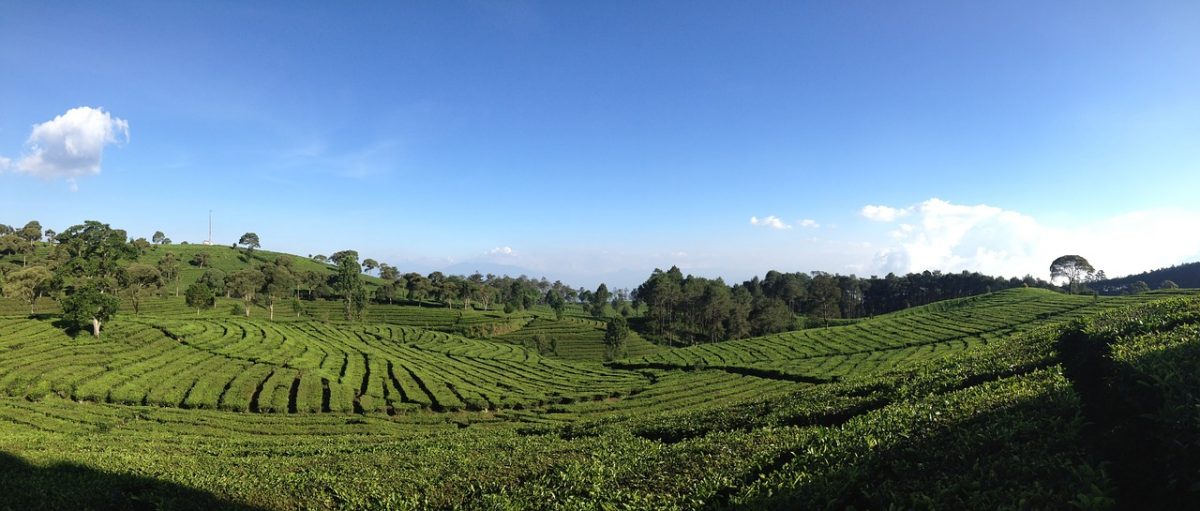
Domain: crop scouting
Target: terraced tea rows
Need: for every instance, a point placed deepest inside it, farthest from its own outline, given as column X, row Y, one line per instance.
column 887, row 341
column 574, row 338
column 248, row 365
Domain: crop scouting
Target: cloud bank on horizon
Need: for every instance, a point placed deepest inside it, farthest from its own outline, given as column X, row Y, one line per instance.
column 940, row 235
column 71, row 145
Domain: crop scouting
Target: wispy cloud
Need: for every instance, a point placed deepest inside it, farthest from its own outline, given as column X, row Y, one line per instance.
column 809, row 223
column 71, row 145
column 771, row 221
column 506, row 250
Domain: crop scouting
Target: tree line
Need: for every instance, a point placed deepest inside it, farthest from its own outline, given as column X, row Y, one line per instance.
column 689, row 309
column 90, row 265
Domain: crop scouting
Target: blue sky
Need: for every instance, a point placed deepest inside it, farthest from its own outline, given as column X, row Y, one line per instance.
column 596, row 141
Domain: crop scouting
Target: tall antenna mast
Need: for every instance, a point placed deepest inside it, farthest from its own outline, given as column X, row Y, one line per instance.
column 210, row 227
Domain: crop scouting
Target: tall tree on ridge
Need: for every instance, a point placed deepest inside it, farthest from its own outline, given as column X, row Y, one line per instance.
column 250, row 241
column 1074, row 268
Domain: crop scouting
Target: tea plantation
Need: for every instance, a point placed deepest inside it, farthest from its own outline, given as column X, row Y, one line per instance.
column 1023, row 398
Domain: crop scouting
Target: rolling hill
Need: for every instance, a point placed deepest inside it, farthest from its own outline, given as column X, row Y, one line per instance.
column 403, row 411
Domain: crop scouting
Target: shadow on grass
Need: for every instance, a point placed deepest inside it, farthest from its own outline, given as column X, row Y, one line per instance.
column 1025, row 454
column 74, row 487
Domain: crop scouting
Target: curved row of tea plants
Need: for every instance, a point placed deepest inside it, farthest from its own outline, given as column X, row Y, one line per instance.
column 257, row 365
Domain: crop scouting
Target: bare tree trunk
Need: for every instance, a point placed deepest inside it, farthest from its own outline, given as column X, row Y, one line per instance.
column 246, row 306
column 272, row 308
column 96, row 327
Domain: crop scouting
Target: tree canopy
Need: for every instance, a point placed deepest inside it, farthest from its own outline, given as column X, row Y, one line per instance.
column 250, row 241
column 1075, row 269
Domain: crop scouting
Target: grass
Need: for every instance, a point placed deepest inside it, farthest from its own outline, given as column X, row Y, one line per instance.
column 986, row 402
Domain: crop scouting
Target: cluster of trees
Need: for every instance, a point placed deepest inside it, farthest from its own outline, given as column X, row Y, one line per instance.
column 480, row 291
column 90, row 265
column 1183, row 275
column 270, row 283
column 689, row 309
column 85, row 270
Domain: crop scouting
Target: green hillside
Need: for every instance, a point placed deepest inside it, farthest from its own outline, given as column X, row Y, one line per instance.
column 431, row 407
column 573, row 338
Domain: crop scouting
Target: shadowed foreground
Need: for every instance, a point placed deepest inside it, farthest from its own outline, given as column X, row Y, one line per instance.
column 66, row 486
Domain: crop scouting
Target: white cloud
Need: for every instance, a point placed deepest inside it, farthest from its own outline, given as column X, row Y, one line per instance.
column 954, row 237
column 71, row 145
column 809, row 223
column 502, row 251
column 883, row 213
column 4, row 163
column 770, row 221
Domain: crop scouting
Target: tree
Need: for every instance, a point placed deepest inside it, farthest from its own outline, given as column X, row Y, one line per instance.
column 1168, row 284
column 614, row 337
column 200, row 259
column 1139, row 287
column 158, row 237
column 599, row 300
column 369, row 264
column 349, row 285
column 168, row 266
column 277, row 282
column 385, row 293
column 1074, row 268
column 416, row 285
column 214, row 279
column 245, row 283
column 89, row 304
column 29, row 284
column 31, row 233
column 92, row 251
column 388, row 272
column 250, row 241
column 825, row 295
column 141, row 245
column 556, row 302
column 89, row 259
column 199, row 296
column 139, row 279
column 320, row 259
column 50, row 234
column 769, row 316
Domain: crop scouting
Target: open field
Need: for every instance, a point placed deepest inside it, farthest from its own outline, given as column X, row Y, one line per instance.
column 914, row 408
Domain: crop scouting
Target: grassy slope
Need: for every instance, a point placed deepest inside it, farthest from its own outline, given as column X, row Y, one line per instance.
column 918, row 432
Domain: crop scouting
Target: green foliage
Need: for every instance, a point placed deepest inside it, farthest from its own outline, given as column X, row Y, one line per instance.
column 1074, row 268
column 250, row 241
column 89, row 306
column 29, row 284
column 277, row 282
column 200, row 259
column 614, row 338
column 140, row 280
column 200, row 297
column 168, row 267
column 245, row 284
column 975, row 403
column 348, row 284
column 92, row 251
